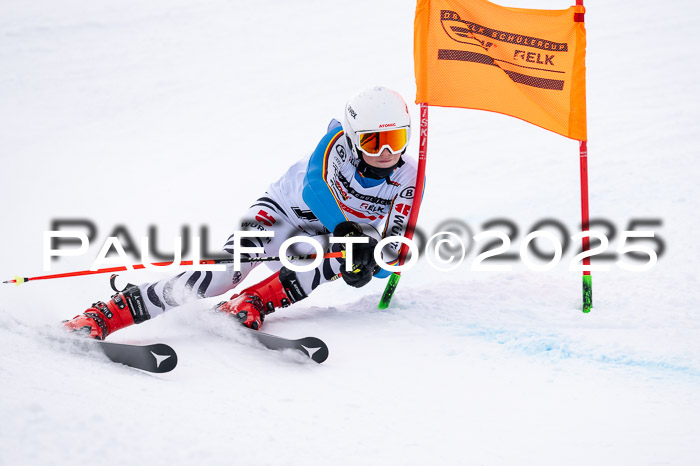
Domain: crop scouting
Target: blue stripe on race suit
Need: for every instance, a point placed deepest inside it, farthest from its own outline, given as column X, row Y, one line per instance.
column 316, row 192
column 334, row 124
column 319, row 196
column 383, row 273
column 368, row 182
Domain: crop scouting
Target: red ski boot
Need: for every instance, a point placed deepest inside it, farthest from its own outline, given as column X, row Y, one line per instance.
column 251, row 305
column 124, row 309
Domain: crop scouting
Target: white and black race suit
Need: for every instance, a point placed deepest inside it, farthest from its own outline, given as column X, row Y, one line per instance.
column 317, row 193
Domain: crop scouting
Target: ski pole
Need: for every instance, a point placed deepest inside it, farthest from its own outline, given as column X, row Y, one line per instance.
column 19, row 280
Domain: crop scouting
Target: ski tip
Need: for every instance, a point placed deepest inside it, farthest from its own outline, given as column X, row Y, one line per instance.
column 315, row 348
column 166, row 358
column 156, row 358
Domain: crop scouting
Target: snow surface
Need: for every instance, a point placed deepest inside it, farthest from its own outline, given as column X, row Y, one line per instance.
column 180, row 112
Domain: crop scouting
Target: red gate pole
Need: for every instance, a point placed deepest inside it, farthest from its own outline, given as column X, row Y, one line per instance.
column 415, row 206
column 587, row 280
column 585, row 221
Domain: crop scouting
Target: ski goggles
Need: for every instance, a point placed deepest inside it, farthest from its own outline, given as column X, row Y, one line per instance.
column 373, row 143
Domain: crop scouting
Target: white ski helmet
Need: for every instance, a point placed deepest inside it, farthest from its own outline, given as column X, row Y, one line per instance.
column 377, row 110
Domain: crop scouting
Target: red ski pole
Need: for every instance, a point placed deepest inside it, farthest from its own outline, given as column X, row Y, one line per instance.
column 19, row 280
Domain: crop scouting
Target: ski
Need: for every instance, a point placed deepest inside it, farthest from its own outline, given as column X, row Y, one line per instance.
column 312, row 347
column 157, row 357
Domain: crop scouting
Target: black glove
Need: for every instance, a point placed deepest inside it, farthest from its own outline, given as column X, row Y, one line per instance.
column 363, row 264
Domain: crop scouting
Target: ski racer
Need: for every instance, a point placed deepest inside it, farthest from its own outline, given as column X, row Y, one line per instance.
column 357, row 182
